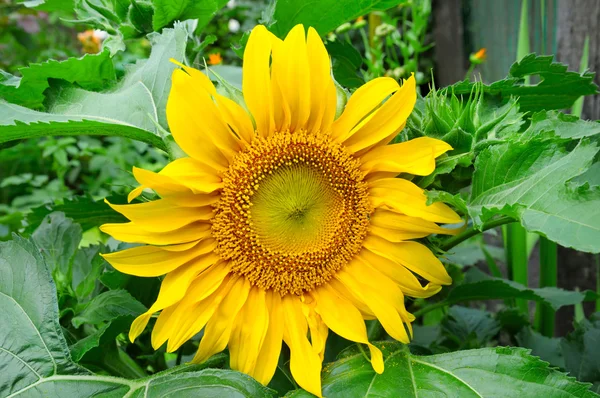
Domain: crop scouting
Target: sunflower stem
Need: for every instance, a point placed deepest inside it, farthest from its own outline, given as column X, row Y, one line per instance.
column 455, row 240
column 517, row 259
column 545, row 315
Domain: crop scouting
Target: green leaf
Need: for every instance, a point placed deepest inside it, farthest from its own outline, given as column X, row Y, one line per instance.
column 346, row 63
column 108, row 306
column 554, row 123
column 558, row 88
column 167, row 11
column 92, row 72
column 480, row 286
column 35, row 358
column 323, row 15
column 455, row 201
column 470, row 327
column 544, row 347
column 86, row 268
column 580, row 350
column 486, row 372
column 17, row 123
column 83, row 346
column 84, row 210
column 529, row 181
column 58, row 239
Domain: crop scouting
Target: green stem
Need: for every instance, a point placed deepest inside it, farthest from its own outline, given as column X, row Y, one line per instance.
column 455, row 240
column 597, row 258
column 440, row 304
column 545, row 315
column 469, row 72
column 516, row 258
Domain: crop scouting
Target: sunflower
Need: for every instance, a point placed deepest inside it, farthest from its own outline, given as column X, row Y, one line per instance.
column 284, row 221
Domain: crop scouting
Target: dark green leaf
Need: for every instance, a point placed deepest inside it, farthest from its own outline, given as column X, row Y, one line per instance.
column 84, row 210
column 92, row 72
column 85, row 270
column 580, row 350
column 479, row 286
column 486, row 372
column 558, row 88
column 58, row 238
column 323, row 15
column 167, row 11
column 470, row 327
column 346, row 63
column 108, row 306
column 544, row 347
column 81, row 347
column 529, row 181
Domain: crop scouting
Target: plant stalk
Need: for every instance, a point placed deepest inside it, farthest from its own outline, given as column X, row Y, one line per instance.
column 545, row 315
column 517, row 259
column 455, row 240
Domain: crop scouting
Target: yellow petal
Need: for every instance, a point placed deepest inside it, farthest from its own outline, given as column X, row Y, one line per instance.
column 218, row 329
column 155, row 261
column 256, row 79
column 364, row 101
column 161, row 184
column 399, row 227
column 383, row 300
column 186, row 125
column 345, row 320
column 199, row 79
column 386, row 120
column 135, row 193
column 407, row 281
column 197, row 307
column 133, row 233
column 291, row 71
column 353, row 298
column 151, row 216
column 236, row 117
column 414, row 157
column 194, row 175
column 318, row 328
column 269, row 352
column 404, row 196
column 249, row 333
column 305, row 363
column 196, row 118
column 414, row 256
column 322, row 103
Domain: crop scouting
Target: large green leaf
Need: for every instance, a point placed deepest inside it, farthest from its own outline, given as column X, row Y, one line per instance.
column 167, row 11
column 486, row 372
column 17, row 123
column 58, row 238
column 323, row 15
column 580, row 350
column 35, row 360
column 108, row 306
column 480, row 286
column 530, row 181
column 559, row 124
column 558, row 88
column 92, row 72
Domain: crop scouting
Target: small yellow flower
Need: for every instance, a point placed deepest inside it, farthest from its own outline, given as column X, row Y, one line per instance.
column 360, row 19
column 478, row 57
column 90, row 41
column 214, row 59
column 284, row 222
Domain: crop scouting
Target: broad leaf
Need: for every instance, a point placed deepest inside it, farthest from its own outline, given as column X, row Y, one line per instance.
column 35, row 360
column 470, row 327
column 544, row 347
column 480, row 286
column 486, row 372
column 580, row 350
column 323, row 15
column 558, row 88
column 346, row 63
column 167, row 11
column 559, row 124
column 84, row 210
column 58, row 238
column 18, row 123
column 92, row 72
column 529, row 181
column 108, row 306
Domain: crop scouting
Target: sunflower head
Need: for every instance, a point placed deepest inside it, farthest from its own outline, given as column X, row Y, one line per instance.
column 284, row 222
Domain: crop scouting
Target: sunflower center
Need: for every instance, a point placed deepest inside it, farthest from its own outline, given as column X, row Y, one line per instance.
column 294, row 210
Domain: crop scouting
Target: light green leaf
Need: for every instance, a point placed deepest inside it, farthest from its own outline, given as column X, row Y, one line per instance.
column 480, row 286
column 17, row 123
column 108, row 306
column 35, row 358
column 167, row 11
column 58, row 239
column 557, row 123
column 486, row 372
column 323, row 15
column 558, row 88
column 92, row 72
column 529, row 181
